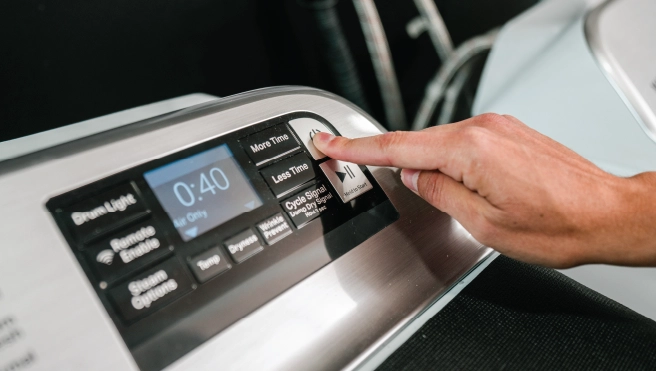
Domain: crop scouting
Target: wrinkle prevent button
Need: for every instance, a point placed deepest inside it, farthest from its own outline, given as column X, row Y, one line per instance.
column 348, row 179
column 306, row 128
column 274, row 228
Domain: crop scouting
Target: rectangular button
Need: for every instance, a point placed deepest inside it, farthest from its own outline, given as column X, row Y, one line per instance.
column 209, row 264
column 96, row 215
column 243, row 245
column 270, row 144
column 274, row 228
column 287, row 175
column 151, row 290
column 127, row 251
column 305, row 128
column 309, row 204
column 348, row 179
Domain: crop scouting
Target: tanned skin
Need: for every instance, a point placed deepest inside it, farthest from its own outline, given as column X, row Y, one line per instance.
column 518, row 191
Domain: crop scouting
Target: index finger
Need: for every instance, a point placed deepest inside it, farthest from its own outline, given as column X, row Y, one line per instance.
column 403, row 149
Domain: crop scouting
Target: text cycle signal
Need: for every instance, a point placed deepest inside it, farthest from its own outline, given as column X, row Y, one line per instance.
column 105, row 257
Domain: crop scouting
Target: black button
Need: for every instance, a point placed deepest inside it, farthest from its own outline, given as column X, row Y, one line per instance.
column 96, row 215
column 127, row 251
column 209, row 264
column 243, row 245
column 270, row 144
column 274, row 228
column 151, row 290
column 285, row 176
column 309, row 204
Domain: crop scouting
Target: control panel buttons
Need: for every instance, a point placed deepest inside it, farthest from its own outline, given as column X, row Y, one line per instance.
column 208, row 264
column 149, row 291
column 270, row 144
column 127, row 250
column 274, row 229
column 243, row 245
column 348, row 179
column 96, row 215
column 310, row 204
column 306, row 128
column 287, row 175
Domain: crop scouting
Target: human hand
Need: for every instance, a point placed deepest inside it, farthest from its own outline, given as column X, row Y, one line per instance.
column 518, row 191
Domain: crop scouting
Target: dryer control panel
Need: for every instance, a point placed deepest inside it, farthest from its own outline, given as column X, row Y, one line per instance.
column 181, row 247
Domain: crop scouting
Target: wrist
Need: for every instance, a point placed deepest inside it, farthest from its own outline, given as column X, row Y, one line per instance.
column 632, row 235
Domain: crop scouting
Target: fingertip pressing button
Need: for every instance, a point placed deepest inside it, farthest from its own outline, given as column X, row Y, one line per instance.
column 306, row 128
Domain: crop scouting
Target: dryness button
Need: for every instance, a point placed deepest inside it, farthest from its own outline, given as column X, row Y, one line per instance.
column 274, row 228
column 96, row 215
column 306, row 129
column 270, row 144
column 288, row 175
column 127, row 251
column 243, row 245
column 347, row 179
column 151, row 290
column 310, row 204
column 208, row 264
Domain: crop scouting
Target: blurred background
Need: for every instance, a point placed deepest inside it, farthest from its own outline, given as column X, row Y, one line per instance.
column 68, row 61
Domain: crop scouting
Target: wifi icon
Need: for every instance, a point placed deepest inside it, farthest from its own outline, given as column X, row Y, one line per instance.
column 105, row 257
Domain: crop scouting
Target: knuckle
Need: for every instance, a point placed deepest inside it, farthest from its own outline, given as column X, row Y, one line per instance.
column 389, row 141
column 431, row 188
column 492, row 120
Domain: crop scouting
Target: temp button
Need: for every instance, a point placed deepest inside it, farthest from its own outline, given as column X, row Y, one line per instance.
column 209, row 264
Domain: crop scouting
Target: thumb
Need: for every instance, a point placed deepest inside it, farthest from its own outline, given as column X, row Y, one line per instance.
column 451, row 197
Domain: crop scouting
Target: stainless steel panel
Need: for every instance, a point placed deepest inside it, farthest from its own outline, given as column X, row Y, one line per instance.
column 621, row 35
column 333, row 319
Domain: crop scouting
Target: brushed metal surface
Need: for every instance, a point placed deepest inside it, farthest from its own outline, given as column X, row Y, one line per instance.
column 331, row 320
column 622, row 37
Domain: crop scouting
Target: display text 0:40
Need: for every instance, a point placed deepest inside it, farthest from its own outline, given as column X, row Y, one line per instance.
column 218, row 179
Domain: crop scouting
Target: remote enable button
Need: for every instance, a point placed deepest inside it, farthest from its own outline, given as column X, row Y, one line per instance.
column 309, row 204
column 208, row 264
column 96, row 215
column 348, row 179
column 274, row 229
column 287, row 175
column 151, row 290
column 127, row 250
column 243, row 245
column 269, row 144
column 306, row 129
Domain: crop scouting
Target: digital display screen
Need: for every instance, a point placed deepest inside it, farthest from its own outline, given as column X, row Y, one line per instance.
column 203, row 191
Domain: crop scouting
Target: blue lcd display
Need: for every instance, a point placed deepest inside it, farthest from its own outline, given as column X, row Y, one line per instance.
column 203, row 191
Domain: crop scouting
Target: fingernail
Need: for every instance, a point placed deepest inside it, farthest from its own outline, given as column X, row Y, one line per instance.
column 323, row 138
column 409, row 178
